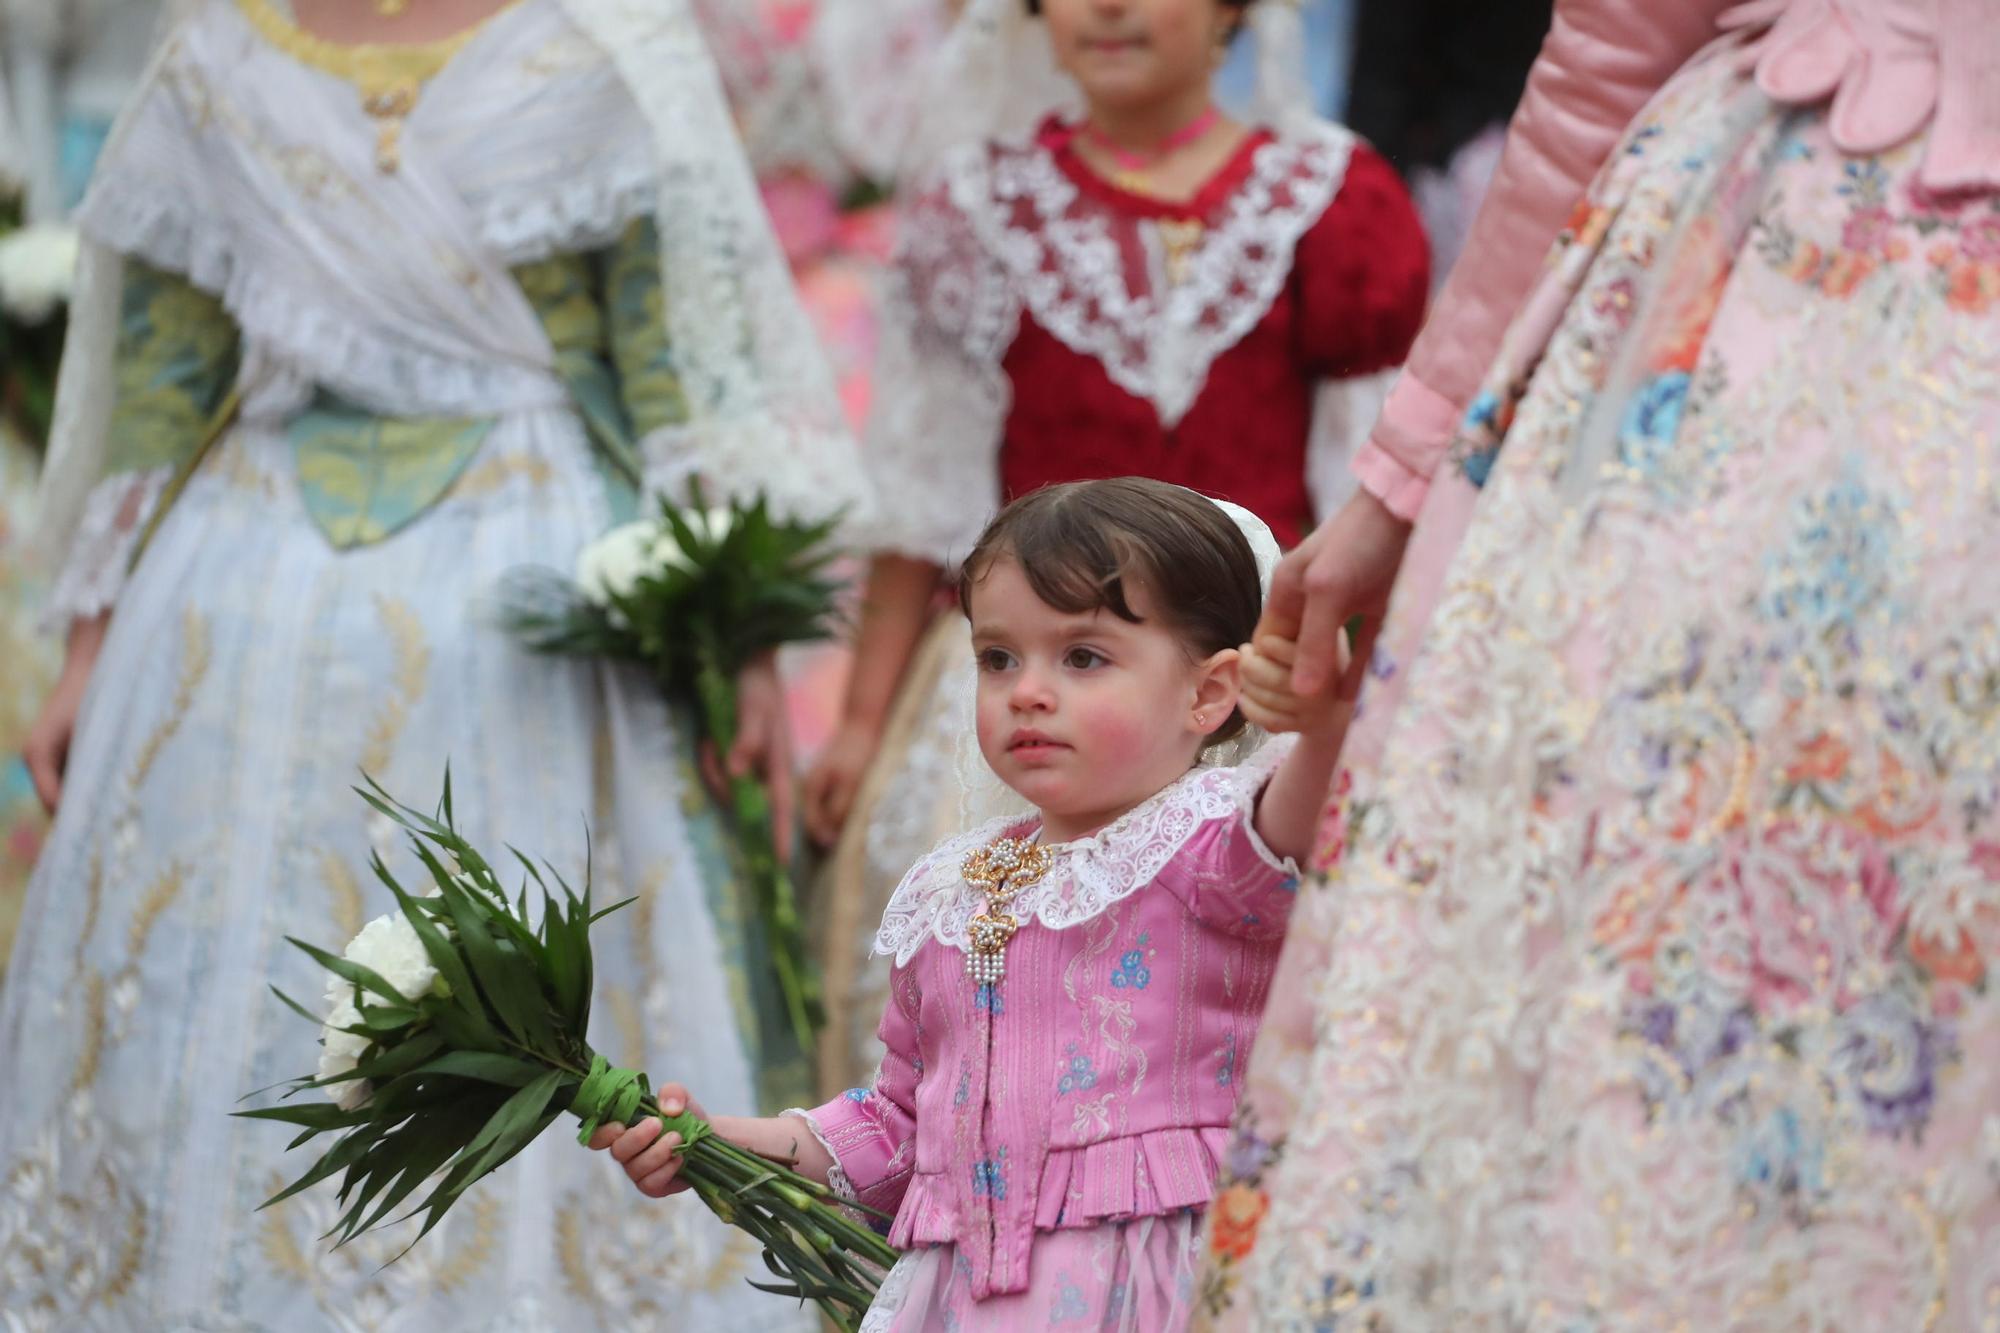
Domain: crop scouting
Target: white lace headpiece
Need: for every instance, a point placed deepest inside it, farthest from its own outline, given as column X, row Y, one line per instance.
column 984, row 797
column 996, row 78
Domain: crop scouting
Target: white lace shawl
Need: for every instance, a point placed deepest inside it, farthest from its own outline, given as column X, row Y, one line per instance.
column 1090, row 875
column 424, row 316
column 1002, row 229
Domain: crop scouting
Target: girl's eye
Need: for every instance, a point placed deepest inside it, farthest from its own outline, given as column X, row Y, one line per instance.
column 1083, row 659
column 995, row 659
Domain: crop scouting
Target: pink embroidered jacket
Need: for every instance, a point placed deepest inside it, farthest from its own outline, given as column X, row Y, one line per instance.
column 1886, row 69
column 1095, row 1082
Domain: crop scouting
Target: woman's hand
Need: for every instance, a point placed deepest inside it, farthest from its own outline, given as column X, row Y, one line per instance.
column 1345, row 569
column 649, row 1155
column 46, row 749
column 1270, row 701
column 835, row 780
column 763, row 748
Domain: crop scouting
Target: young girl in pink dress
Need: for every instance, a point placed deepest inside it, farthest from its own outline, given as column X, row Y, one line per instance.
column 1076, row 990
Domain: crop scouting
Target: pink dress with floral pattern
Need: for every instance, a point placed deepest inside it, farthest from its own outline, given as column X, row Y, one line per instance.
column 1652, row 982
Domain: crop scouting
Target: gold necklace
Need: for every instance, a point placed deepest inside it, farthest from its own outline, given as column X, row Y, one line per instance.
column 392, row 9
column 1000, row 870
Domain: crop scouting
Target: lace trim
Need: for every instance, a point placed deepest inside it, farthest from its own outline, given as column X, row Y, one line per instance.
column 836, row 1178
column 534, row 219
column 388, row 375
column 100, row 554
column 1092, row 874
column 1063, row 254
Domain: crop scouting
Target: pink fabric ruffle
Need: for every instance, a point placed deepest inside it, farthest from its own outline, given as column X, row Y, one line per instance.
column 1140, row 1175
column 1890, row 68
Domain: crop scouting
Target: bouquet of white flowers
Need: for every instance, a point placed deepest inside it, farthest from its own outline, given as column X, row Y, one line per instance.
column 695, row 595
column 454, row 1035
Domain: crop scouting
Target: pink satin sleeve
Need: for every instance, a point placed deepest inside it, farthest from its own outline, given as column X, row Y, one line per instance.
column 1601, row 62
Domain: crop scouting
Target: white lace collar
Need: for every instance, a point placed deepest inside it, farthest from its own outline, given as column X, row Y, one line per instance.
column 1062, row 251
column 1091, row 874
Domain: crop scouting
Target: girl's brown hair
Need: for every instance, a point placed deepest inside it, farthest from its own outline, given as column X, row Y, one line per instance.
column 1078, row 544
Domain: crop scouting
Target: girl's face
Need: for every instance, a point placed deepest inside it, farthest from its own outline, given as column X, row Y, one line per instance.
column 1127, row 53
column 1087, row 715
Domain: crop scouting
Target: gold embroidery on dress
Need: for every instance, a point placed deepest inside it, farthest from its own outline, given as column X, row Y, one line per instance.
column 158, row 899
column 389, row 76
column 413, row 663
column 485, row 478
column 345, row 891
column 195, row 661
column 351, row 1279
column 639, row 1285
column 90, row 1055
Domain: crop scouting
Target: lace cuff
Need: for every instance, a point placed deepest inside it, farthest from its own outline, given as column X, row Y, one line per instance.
column 100, row 554
column 836, row 1178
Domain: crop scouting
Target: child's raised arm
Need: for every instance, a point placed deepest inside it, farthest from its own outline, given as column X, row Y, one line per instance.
column 1290, row 810
column 652, row 1160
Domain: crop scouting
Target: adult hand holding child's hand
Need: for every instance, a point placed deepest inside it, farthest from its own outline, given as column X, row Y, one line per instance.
column 1270, row 698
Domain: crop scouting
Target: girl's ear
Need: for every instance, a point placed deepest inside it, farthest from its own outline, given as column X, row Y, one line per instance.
column 1218, row 683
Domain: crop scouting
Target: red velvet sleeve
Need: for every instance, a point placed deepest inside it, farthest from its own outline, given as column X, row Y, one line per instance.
column 1362, row 274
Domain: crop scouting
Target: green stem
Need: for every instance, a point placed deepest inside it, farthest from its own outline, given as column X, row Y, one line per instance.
column 776, row 898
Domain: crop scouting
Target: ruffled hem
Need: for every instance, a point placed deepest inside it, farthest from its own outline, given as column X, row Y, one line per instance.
column 1154, row 1174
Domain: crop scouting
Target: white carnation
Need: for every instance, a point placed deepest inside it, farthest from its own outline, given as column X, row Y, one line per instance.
column 37, row 271
column 390, row 947
column 612, row 565
column 340, row 1052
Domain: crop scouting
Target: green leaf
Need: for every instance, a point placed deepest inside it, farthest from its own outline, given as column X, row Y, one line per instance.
column 502, row 1070
column 507, row 979
column 349, row 971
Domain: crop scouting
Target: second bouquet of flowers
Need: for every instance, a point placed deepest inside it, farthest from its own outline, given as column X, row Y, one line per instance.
column 694, row 595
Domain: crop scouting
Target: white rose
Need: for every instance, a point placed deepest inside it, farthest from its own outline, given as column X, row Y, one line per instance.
column 612, row 565
column 37, row 271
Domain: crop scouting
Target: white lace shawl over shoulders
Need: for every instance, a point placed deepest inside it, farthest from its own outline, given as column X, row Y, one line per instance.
column 1092, row 874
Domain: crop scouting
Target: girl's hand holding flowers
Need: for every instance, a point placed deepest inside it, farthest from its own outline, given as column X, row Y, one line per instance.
column 648, row 1151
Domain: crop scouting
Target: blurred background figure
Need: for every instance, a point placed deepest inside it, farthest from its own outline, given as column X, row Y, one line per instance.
column 65, row 67
column 72, row 63
column 1434, row 83
column 823, row 92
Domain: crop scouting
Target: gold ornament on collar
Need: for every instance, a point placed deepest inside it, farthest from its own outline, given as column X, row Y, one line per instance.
column 1001, row 870
column 392, row 9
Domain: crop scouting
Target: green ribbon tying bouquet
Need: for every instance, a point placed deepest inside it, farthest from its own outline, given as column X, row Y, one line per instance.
column 695, row 596
column 456, row 1035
